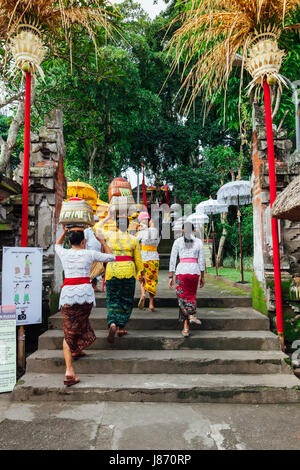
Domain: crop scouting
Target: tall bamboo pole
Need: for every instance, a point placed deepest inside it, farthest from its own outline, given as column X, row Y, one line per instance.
column 274, row 222
column 214, row 243
column 240, row 238
column 24, row 230
column 138, row 186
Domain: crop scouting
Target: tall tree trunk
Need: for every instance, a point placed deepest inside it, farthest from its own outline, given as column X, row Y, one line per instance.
column 8, row 169
column 92, row 160
column 7, row 147
column 222, row 241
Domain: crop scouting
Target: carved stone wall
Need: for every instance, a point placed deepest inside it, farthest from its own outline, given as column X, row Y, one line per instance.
column 47, row 189
column 287, row 168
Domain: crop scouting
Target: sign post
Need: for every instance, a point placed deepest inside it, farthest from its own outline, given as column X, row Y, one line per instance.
column 7, row 348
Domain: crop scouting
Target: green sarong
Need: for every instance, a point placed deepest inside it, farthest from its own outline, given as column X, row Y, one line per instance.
column 119, row 300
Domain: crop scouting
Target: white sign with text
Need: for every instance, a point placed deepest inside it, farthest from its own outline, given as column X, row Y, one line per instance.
column 7, row 348
column 22, row 283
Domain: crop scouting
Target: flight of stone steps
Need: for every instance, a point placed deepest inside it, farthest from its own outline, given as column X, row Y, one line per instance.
column 231, row 358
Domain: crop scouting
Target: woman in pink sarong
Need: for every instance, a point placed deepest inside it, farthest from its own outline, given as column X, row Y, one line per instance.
column 190, row 269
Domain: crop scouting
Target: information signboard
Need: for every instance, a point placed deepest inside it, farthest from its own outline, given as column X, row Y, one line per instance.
column 22, row 283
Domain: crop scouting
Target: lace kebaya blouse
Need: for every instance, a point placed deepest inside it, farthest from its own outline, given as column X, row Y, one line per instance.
column 183, row 250
column 149, row 236
column 77, row 263
column 123, row 244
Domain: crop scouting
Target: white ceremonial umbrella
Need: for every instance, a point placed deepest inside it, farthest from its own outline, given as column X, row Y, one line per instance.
column 236, row 193
column 177, row 226
column 179, row 222
column 198, row 220
column 211, row 207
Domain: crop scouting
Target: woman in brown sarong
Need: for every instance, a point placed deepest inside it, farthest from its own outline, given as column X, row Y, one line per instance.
column 77, row 296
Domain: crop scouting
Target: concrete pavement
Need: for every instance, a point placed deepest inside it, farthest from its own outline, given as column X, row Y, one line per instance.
column 147, row 426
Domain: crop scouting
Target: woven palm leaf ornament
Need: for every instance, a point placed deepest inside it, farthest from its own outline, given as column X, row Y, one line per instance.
column 264, row 61
column 28, row 49
column 26, row 26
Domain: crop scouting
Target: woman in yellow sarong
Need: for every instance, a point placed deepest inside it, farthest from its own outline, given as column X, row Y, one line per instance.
column 149, row 239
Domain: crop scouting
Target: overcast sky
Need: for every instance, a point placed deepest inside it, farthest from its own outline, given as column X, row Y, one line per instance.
column 149, row 7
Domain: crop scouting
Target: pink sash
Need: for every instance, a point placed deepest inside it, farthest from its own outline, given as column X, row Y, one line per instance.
column 188, row 260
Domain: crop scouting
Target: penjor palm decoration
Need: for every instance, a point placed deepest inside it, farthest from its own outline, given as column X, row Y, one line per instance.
column 214, row 32
column 211, row 36
column 27, row 27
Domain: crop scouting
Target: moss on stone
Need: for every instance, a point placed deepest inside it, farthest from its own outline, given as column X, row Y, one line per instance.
column 291, row 328
column 288, row 361
column 258, row 297
column 54, row 303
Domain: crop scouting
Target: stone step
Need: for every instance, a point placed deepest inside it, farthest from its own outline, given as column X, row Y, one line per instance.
column 207, row 302
column 182, row 388
column 166, row 340
column 166, row 362
column 167, row 319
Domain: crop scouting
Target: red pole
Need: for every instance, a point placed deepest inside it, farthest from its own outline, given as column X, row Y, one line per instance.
column 272, row 179
column 24, row 232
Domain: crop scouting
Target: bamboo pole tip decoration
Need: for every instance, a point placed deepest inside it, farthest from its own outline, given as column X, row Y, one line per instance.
column 28, row 49
column 264, row 60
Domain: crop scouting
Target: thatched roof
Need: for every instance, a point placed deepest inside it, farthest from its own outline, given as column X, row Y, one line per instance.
column 287, row 203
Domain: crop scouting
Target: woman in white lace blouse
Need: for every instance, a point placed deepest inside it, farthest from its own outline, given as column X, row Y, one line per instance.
column 190, row 268
column 77, row 296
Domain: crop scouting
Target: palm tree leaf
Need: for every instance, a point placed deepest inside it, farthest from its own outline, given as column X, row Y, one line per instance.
column 212, row 32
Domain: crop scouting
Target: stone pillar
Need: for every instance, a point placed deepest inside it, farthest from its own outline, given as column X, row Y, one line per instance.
column 287, row 168
column 47, row 189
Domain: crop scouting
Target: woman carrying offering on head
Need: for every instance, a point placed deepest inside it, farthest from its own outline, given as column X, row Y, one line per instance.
column 149, row 239
column 120, row 276
column 190, row 269
column 77, row 296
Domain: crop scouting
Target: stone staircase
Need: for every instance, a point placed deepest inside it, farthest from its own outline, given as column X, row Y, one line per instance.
column 231, row 358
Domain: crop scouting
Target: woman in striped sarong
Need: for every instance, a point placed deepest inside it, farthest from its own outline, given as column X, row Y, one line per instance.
column 190, row 269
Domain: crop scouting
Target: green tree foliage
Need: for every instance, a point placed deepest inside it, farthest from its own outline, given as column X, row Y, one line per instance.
column 4, row 129
column 124, row 108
